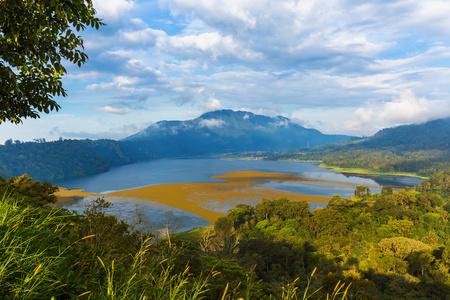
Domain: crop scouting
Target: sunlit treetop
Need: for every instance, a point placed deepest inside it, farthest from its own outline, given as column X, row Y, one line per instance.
column 35, row 36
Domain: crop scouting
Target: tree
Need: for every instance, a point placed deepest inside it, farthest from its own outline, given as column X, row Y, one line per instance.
column 420, row 261
column 29, row 191
column 401, row 247
column 35, row 36
column 387, row 190
column 362, row 191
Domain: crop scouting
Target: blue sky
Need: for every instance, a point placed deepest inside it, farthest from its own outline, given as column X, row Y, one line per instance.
column 340, row 66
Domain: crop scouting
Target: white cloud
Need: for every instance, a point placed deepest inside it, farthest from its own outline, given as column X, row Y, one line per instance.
column 212, row 104
column 246, row 116
column 85, row 76
column 364, row 117
column 407, row 108
column 281, row 123
column 288, row 30
column 125, row 84
column 100, row 86
column 109, row 109
column 437, row 52
column 183, row 66
column 272, row 112
column 212, row 123
column 210, row 45
column 138, row 22
column 112, row 10
column 429, row 16
column 146, row 36
column 125, row 80
column 322, row 62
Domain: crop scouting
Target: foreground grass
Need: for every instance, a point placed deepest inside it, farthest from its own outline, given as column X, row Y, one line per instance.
column 29, row 251
column 38, row 260
column 43, row 256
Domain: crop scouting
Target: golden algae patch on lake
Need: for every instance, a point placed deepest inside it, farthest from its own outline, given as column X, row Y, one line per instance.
column 68, row 197
column 257, row 175
column 210, row 200
column 172, row 194
column 63, row 192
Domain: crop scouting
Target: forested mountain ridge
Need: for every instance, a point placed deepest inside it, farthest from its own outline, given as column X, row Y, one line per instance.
column 219, row 132
column 60, row 159
column 432, row 135
column 225, row 131
column 418, row 148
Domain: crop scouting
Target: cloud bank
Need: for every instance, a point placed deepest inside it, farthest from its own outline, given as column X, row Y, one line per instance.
column 343, row 66
column 212, row 123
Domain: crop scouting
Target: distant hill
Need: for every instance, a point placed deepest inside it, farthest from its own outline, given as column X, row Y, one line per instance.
column 417, row 148
column 431, row 135
column 228, row 131
column 46, row 161
column 219, row 132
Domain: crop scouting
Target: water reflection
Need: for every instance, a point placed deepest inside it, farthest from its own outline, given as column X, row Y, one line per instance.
column 385, row 180
column 320, row 182
column 126, row 209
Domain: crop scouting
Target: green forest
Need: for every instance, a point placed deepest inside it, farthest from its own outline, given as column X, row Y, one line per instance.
column 67, row 158
column 419, row 149
column 392, row 245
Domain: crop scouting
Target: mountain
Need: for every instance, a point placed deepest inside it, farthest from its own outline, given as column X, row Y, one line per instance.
column 430, row 135
column 422, row 149
column 219, row 132
column 228, row 131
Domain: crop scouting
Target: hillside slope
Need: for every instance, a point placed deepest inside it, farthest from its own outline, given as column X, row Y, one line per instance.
column 421, row 149
column 227, row 131
column 60, row 159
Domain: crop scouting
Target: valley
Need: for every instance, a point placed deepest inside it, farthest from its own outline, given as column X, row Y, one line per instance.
column 209, row 188
column 177, row 195
column 224, row 150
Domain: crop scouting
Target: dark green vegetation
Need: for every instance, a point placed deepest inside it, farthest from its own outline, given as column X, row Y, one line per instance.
column 421, row 149
column 393, row 245
column 213, row 133
column 388, row 245
column 54, row 254
column 60, row 159
column 35, row 38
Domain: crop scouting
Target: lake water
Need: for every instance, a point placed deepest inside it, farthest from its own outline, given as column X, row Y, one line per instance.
column 200, row 170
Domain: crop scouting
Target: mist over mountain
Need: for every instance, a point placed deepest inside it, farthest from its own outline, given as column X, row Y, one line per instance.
column 228, row 131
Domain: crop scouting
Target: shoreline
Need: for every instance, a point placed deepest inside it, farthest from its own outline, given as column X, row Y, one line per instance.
column 207, row 199
column 364, row 171
column 361, row 171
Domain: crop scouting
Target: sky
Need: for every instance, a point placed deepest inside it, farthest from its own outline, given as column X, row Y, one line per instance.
column 340, row 66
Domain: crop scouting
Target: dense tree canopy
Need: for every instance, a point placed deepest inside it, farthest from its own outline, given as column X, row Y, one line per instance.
column 35, row 36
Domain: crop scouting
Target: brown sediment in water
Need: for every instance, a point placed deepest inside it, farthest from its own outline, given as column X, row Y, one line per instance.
column 205, row 199
column 258, row 175
column 64, row 192
column 68, row 197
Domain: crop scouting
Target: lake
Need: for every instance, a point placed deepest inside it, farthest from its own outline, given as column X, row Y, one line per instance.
column 325, row 183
